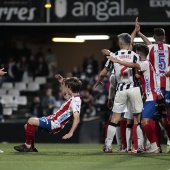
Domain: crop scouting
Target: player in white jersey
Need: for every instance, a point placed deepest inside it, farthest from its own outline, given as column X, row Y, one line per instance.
column 55, row 122
column 159, row 56
column 128, row 87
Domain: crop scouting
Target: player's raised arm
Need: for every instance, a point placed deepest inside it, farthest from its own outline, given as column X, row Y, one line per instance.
column 144, row 38
column 127, row 64
column 76, row 121
column 101, row 77
column 61, row 81
column 133, row 34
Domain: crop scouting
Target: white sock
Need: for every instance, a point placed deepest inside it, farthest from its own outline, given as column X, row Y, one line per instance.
column 118, row 137
column 154, row 145
column 129, row 138
column 111, row 131
column 28, row 146
column 168, row 142
column 140, row 137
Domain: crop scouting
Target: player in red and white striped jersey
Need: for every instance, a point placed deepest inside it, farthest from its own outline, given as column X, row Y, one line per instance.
column 55, row 122
column 159, row 56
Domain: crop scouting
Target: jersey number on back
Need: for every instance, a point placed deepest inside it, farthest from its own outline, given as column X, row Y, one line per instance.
column 162, row 64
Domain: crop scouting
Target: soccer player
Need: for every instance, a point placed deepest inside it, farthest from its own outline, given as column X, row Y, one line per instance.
column 55, row 122
column 151, row 91
column 1, row 74
column 128, row 87
column 159, row 53
column 120, row 136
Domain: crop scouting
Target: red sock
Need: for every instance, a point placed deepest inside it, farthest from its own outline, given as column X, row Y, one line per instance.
column 30, row 133
column 106, row 126
column 167, row 128
column 149, row 133
column 135, row 138
column 123, row 132
column 157, row 131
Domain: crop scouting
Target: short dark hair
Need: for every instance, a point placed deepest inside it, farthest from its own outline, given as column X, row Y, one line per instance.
column 159, row 32
column 125, row 37
column 73, row 83
column 142, row 48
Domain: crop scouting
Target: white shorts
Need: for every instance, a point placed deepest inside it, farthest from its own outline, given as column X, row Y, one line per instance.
column 129, row 113
column 133, row 95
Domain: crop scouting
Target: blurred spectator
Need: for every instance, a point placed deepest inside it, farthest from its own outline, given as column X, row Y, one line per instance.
column 76, row 71
column 32, row 66
column 25, row 51
column 39, row 54
column 90, row 67
column 87, row 108
column 51, row 59
column 13, row 74
column 35, row 108
column 59, row 100
column 1, row 113
column 48, row 103
column 14, row 51
column 23, row 67
column 42, row 67
column 100, row 98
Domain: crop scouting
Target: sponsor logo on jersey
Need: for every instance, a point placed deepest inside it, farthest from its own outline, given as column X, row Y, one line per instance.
column 147, row 85
column 125, row 56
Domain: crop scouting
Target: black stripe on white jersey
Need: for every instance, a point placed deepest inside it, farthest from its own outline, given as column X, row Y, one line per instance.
column 109, row 65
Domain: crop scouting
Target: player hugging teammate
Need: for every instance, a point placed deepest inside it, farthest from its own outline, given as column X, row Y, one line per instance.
column 146, row 67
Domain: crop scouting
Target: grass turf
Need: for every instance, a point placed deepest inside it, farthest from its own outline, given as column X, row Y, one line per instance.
column 79, row 157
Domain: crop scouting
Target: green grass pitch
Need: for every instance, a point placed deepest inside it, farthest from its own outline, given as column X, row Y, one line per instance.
column 79, row 157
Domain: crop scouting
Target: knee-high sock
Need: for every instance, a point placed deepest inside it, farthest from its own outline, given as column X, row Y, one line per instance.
column 30, row 133
column 118, row 136
column 157, row 131
column 123, row 132
column 135, row 138
column 111, row 131
column 129, row 136
column 167, row 128
column 149, row 133
column 106, row 127
column 140, row 136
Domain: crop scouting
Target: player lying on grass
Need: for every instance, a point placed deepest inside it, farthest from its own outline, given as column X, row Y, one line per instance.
column 55, row 122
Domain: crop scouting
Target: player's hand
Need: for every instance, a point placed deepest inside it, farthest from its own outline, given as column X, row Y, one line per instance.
column 59, row 78
column 137, row 25
column 67, row 136
column 2, row 72
column 105, row 52
column 167, row 74
column 110, row 103
column 160, row 96
column 97, row 85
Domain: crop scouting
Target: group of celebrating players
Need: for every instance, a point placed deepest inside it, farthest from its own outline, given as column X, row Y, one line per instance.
column 140, row 87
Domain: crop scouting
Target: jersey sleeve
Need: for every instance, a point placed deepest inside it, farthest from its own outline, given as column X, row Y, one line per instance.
column 76, row 104
column 143, row 65
column 109, row 65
